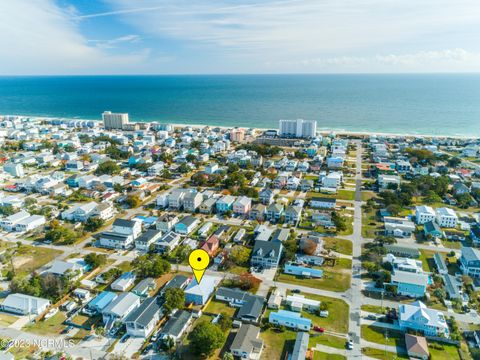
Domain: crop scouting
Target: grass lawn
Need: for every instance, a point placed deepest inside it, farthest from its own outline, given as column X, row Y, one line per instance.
column 23, row 352
column 318, row 355
column 342, row 264
column 327, row 340
column 80, row 335
column 341, row 246
column 277, row 344
column 373, row 309
column 125, row 266
column 218, row 307
column 380, row 354
column 337, row 319
column 332, row 281
column 452, row 244
column 377, row 335
column 238, row 270
column 7, row 320
column 367, row 195
column 440, row 351
column 29, row 258
column 370, row 224
column 346, row 194
column 52, row 326
column 428, row 263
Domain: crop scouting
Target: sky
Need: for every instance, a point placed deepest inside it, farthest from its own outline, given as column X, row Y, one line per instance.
column 77, row 37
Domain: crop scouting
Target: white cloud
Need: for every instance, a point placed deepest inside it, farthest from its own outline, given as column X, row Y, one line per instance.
column 426, row 61
column 257, row 32
column 38, row 37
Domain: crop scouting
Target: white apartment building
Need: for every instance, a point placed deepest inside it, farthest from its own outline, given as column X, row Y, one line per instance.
column 114, row 120
column 14, row 169
column 297, row 128
column 446, row 218
column 424, row 214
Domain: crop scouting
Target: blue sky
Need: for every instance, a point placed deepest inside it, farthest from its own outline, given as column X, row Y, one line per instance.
column 234, row 36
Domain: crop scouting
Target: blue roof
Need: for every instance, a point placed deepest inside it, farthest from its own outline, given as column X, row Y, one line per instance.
column 102, row 300
column 291, row 316
column 304, row 269
column 147, row 220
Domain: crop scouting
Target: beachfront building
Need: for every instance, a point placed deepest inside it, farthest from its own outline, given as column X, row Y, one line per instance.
column 114, row 120
column 297, row 128
column 447, row 218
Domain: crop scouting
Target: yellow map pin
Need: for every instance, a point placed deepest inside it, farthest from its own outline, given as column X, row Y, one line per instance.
column 198, row 261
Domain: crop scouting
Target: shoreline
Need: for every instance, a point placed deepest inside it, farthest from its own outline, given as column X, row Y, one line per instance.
column 322, row 131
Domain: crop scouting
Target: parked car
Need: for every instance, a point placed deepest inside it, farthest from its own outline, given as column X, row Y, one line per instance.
column 371, row 317
column 349, row 344
column 319, row 329
column 296, row 291
column 125, row 338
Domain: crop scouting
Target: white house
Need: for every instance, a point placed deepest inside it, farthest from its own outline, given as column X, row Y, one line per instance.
column 447, row 218
column 24, row 304
column 9, row 223
column 30, row 223
column 424, row 214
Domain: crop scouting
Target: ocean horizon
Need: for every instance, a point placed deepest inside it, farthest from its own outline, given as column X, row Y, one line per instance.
column 422, row 104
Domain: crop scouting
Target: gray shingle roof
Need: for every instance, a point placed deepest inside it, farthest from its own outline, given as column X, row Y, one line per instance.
column 145, row 312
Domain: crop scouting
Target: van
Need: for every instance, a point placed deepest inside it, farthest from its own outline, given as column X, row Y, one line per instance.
column 324, row 313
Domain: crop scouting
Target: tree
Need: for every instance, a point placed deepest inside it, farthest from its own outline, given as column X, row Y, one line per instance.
column 174, row 299
column 394, row 209
column 95, row 260
column 93, row 224
column 291, row 248
column 454, row 162
column 227, row 356
column 384, row 240
column 439, row 293
column 206, row 338
column 60, row 235
column 108, row 167
column 339, row 221
column 7, row 210
column 240, row 255
column 225, row 322
column 133, row 201
column 151, row 265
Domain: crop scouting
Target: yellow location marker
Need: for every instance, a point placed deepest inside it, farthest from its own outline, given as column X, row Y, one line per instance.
column 198, row 261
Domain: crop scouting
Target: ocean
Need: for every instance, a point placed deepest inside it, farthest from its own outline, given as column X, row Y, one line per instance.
column 433, row 104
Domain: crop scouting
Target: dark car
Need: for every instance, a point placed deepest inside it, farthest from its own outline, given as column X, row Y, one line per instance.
column 125, row 338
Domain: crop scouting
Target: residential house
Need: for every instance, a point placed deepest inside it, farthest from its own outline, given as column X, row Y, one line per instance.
column 199, row 294
column 417, row 347
column 187, row 225
column 247, row 343
column 208, row 205
column 475, row 234
column 266, row 196
column 175, row 198
column 100, row 302
column 303, row 271
column 250, row 306
column 144, row 287
column 211, row 245
column 300, row 303
column 290, row 319
column 176, row 326
column 167, row 242
column 417, row 317
column 142, row 321
column 225, row 204
column 301, row 346
column 166, row 222
column 266, row 254
column 275, row 212
column 72, row 267
column 398, row 227
column 470, row 261
column 424, row 214
column 258, row 212
column 31, row 223
column 388, row 181
column 8, row 223
column 22, row 304
column 293, row 214
column 192, row 201
column 432, row 229
column 119, row 308
column 125, row 281
column 242, row 206
column 149, row 237
column 323, row 203
column 440, row 263
column 446, row 218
